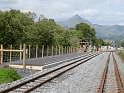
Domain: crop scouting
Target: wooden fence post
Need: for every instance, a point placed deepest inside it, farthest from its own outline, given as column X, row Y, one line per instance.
column 47, row 50
column 29, row 51
column 77, row 50
column 10, row 54
column 52, row 50
column 20, row 52
column 65, row 50
column 69, row 49
column 56, row 50
column 62, row 50
column 59, row 50
column 24, row 63
column 36, row 50
column 72, row 49
column 1, row 54
column 42, row 50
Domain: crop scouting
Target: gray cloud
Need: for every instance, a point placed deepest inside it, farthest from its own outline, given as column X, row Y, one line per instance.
column 96, row 11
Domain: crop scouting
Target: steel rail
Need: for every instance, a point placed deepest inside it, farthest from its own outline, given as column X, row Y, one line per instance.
column 104, row 76
column 76, row 62
column 57, row 73
column 118, row 76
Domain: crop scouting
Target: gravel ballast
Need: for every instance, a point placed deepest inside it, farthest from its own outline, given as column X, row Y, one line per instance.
column 84, row 78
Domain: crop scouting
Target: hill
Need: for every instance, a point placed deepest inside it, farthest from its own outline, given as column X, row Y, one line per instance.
column 111, row 32
column 71, row 22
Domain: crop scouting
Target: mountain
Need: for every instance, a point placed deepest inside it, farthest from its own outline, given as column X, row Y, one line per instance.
column 113, row 32
column 71, row 22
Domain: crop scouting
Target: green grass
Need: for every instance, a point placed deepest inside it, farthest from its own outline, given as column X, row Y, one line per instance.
column 8, row 75
column 121, row 54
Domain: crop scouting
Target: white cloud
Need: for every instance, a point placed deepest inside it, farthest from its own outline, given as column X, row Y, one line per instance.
column 97, row 10
column 90, row 12
column 117, row 2
column 119, row 13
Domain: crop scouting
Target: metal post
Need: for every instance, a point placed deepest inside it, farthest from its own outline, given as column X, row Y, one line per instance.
column 36, row 50
column 20, row 52
column 24, row 63
column 10, row 54
column 29, row 51
column 1, row 54
column 52, row 50
column 42, row 50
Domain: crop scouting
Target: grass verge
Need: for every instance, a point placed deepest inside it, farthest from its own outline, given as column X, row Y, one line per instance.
column 8, row 75
column 121, row 54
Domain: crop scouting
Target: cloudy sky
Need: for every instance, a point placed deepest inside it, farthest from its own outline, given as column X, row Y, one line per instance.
column 107, row 12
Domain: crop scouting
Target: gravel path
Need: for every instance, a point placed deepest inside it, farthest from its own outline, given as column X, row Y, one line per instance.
column 82, row 79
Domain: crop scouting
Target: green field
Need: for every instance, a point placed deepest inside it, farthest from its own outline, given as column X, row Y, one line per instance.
column 8, row 75
column 121, row 54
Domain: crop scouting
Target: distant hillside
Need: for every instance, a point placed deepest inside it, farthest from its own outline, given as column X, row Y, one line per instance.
column 71, row 22
column 109, row 31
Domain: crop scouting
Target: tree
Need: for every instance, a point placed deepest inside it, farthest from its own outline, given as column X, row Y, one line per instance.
column 85, row 32
column 17, row 27
column 12, row 27
column 99, row 42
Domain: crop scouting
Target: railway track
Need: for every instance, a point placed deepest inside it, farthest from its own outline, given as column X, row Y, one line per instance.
column 117, row 76
column 37, row 80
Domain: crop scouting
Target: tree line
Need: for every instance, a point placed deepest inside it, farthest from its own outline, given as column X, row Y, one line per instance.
column 17, row 27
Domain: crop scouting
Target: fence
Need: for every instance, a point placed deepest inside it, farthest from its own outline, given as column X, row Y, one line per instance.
column 4, row 51
column 27, row 52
